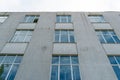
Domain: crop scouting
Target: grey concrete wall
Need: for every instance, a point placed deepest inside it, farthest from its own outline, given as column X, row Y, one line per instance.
column 37, row 59
column 36, row 63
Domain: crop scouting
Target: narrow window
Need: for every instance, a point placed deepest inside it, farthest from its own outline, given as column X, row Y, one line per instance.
column 107, row 36
column 66, row 36
column 65, row 68
column 63, row 18
column 31, row 18
column 96, row 18
column 22, row 36
column 9, row 65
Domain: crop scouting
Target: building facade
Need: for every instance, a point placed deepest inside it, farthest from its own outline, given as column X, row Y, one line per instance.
column 59, row 46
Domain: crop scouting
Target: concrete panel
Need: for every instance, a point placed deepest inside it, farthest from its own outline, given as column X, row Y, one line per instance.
column 102, row 26
column 64, row 48
column 14, row 48
column 64, row 26
column 112, row 49
column 26, row 26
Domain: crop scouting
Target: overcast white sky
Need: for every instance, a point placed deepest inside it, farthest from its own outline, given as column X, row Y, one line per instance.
column 59, row 5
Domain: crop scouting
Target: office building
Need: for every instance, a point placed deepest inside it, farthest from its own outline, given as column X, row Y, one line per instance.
column 60, row 45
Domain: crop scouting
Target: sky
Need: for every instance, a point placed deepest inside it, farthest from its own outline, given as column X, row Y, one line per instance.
column 59, row 5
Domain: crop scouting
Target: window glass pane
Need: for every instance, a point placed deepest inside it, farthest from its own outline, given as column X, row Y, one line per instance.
column 109, row 39
column 118, row 59
column 117, row 71
column 54, row 73
column 56, row 38
column 5, row 69
column 112, row 33
column 64, row 38
column 101, row 39
column 112, row 60
column 74, row 59
column 1, row 58
column 69, row 18
column 76, row 73
column 105, row 32
column 64, row 32
column 18, row 59
column 65, row 72
column 58, row 18
column 72, row 38
column 63, row 19
column 9, row 59
column 57, row 32
column 64, row 60
column 116, row 39
column 13, row 72
column 55, row 60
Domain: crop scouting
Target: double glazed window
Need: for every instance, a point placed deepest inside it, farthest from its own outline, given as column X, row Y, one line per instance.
column 3, row 18
column 9, row 66
column 22, row 36
column 63, row 18
column 31, row 18
column 64, row 36
column 106, row 36
column 96, row 18
column 115, row 61
column 65, row 68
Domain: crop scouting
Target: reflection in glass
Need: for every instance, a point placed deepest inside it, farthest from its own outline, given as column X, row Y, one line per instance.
column 76, row 75
column 65, row 72
column 64, row 60
column 54, row 74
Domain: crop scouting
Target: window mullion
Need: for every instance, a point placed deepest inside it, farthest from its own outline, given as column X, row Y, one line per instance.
column 59, row 69
column 71, row 68
column 10, row 68
column 103, row 36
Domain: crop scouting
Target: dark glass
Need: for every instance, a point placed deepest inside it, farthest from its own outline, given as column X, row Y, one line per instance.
column 109, row 39
column 55, row 60
column 9, row 59
column 6, row 68
column 76, row 73
column 101, row 39
column 118, row 59
column 117, row 71
column 65, row 72
column 116, row 39
column 64, row 60
column 54, row 73
column 18, row 59
column 112, row 60
column 13, row 72
column 74, row 59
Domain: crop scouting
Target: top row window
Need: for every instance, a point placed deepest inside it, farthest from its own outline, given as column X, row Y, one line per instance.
column 31, row 18
column 96, row 18
column 59, row 18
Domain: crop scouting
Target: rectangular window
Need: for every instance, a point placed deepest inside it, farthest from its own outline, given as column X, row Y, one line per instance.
column 63, row 18
column 115, row 61
column 107, row 36
column 9, row 65
column 65, row 68
column 31, row 18
column 96, row 18
column 3, row 18
column 64, row 36
column 22, row 36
